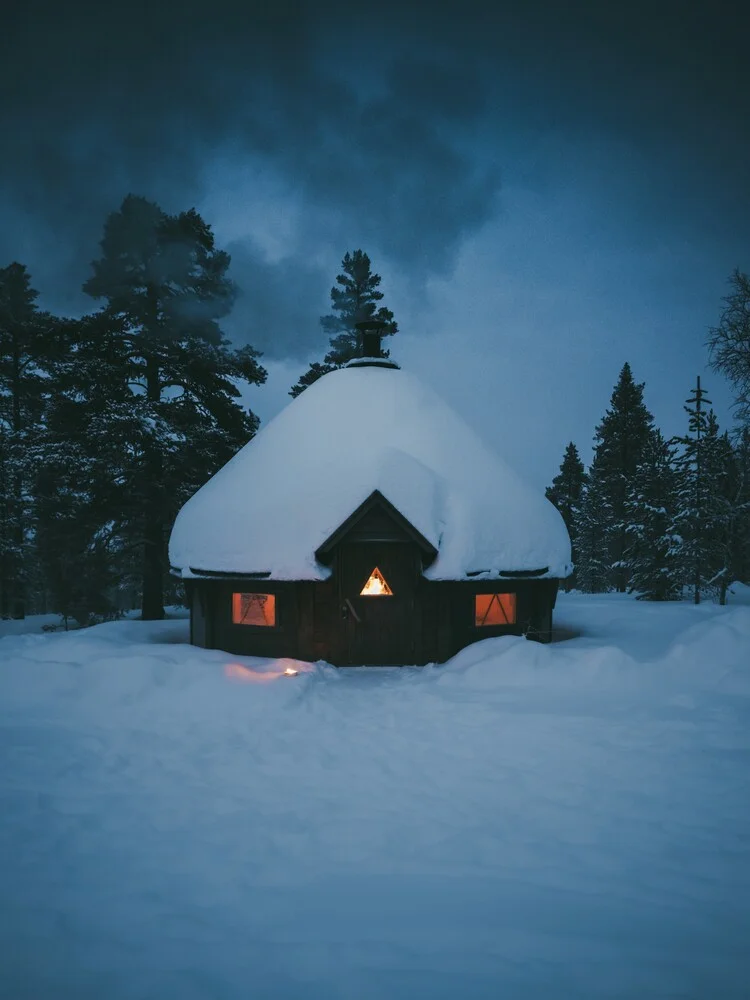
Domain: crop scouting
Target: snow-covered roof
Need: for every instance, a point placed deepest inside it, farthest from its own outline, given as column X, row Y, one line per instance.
column 354, row 431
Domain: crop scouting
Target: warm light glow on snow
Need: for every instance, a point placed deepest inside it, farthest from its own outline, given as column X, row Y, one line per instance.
column 376, row 586
column 277, row 668
column 236, row 672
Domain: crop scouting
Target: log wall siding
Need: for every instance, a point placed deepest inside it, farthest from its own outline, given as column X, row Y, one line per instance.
column 311, row 625
column 314, row 620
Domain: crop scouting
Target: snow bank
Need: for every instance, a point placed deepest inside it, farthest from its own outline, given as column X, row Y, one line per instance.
column 524, row 821
column 31, row 623
column 352, row 432
column 56, row 623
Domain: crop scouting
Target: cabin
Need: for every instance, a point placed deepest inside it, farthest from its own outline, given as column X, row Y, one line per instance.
column 367, row 524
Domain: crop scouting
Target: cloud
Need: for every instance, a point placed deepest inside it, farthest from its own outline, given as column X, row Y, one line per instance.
column 105, row 102
column 279, row 305
column 302, row 131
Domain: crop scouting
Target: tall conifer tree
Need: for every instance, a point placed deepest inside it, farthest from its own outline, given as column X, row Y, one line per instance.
column 652, row 552
column 87, row 509
column 566, row 493
column 706, row 503
column 620, row 440
column 594, row 514
column 730, row 508
column 172, row 372
column 26, row 341
column 354, row 299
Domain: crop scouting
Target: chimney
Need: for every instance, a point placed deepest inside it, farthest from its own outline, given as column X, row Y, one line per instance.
column 370, row 332
column 371, row 353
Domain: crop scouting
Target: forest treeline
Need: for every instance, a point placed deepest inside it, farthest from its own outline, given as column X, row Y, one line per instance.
column 110, row 422
column 666, row 519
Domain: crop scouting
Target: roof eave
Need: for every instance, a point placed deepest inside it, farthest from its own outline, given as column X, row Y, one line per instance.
column 376, row 498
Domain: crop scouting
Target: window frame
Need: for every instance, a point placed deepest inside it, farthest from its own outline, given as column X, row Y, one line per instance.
column 385, row 593
column 492, row 593
column 254, row 626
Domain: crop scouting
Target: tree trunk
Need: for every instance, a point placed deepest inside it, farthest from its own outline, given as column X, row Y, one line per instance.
column 621, row 574
column 152, row 608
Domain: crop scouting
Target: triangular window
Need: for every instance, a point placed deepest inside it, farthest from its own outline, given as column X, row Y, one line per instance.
column 376, row 586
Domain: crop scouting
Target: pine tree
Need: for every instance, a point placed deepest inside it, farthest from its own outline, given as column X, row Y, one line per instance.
column 354, row 299
column 620, row 441
column 566, row 493
column 724, row 509
column 730, row 507
column 313, row 373
column 83, row 486
column 590, row 526
column 26, row 338
column 653, row 545
column 738, row 485
column 168, row 374
column 705, row 511
column 691, row 510
column 73, row 536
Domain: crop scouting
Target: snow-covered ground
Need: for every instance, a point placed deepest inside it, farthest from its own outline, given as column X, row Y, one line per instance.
column 525, row 821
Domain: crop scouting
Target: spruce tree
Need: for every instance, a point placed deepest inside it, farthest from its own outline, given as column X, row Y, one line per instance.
column 566, row 493
column 26, row 339
column 86, row 506
column 590, row 526
column 620, row 441
column 705, row 511
column 354, row 299
column 730, row 508
column 168, row 373
column 652, row 543
column 738, row 486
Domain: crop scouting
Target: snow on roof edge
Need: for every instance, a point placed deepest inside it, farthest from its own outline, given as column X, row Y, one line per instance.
column 354, row 431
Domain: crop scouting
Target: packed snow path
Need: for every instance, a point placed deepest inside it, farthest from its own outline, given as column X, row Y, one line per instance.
column 522, row 822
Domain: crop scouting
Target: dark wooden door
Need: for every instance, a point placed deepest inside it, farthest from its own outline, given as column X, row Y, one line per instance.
column 380, row 630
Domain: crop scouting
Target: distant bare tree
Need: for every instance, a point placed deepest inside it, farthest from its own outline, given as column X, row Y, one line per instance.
column 729, row 342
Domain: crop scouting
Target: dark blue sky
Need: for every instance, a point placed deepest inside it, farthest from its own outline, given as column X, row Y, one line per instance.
column 547, row 190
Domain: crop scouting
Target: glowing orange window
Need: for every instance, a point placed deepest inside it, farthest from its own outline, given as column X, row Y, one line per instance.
column 376, row 586
column 494, row 609
column 254, row 609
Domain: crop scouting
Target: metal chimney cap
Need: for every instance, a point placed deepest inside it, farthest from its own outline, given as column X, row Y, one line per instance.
column 371, row 351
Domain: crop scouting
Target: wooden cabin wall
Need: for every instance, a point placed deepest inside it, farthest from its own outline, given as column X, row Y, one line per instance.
column 380, row 630
column 201, row 618
column 249, row 640
column 311, row 625
column 305, row 611
column 323, row 611
column 447, row 612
